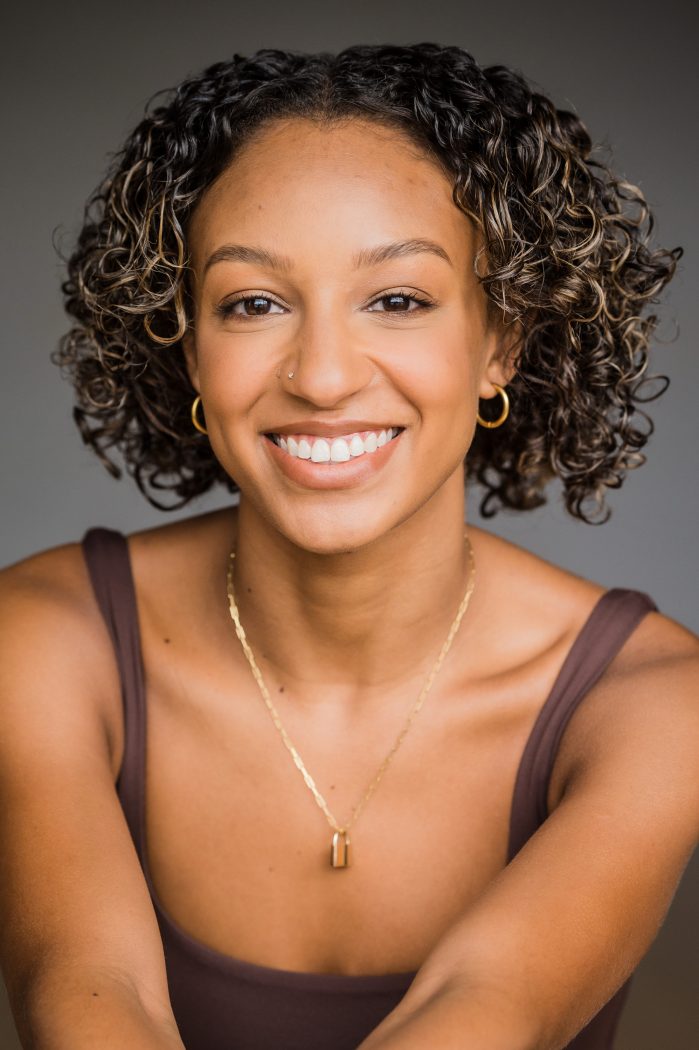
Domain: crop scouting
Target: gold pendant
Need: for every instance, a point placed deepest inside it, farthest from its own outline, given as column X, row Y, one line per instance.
column 340, row 851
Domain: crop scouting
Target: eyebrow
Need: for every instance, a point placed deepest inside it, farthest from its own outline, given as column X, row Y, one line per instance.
column 366, row 257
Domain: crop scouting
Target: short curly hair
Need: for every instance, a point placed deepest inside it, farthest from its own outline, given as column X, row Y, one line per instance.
column 565, row 253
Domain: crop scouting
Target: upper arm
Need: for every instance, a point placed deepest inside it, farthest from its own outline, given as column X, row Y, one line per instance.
column 72, row 894
column 559, row 930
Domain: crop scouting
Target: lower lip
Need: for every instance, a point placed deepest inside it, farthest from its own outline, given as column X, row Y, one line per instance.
column 331, row 475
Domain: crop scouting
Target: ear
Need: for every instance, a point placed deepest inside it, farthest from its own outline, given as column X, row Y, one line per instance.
column 506, row 343
column 189, row 350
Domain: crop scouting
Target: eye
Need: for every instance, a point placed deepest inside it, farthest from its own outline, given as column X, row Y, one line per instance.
column 258, row 300
column 261, row 303
column 402, row 298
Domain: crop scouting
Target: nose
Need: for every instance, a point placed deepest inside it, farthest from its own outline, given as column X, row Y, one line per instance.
column 328, row 365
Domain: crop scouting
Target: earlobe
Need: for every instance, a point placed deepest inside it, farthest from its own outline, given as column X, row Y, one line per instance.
column 498, row 372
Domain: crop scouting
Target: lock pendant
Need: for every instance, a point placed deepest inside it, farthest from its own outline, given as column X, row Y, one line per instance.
column 340, row 850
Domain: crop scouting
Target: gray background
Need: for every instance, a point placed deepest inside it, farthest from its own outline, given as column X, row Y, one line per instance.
column 74, row 82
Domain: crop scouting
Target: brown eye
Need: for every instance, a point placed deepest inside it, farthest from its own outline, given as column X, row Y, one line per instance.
column 258, row 304
column 402, row 299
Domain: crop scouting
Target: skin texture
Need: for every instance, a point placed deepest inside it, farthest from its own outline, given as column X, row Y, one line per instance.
column 346, row 597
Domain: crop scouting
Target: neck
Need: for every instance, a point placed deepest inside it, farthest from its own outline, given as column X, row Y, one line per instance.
column 356, row 621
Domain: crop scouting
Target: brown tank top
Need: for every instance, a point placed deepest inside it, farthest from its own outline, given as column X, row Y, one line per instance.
column 224, row 1003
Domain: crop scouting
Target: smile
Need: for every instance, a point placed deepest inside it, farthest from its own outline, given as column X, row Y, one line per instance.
column 311, row 461
column 318, row 449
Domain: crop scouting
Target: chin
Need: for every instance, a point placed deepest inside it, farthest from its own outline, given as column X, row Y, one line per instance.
column 328, row 534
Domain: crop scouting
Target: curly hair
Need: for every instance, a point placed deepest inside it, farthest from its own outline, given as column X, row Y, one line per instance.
column 565, row 253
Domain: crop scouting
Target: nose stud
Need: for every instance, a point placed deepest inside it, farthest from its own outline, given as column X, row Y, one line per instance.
column 291, row 375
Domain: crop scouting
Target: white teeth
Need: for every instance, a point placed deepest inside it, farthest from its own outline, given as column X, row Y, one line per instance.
column 320, row 453
column 337, row 450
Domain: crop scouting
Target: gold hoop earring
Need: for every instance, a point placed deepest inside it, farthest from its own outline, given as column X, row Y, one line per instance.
column 195, row 421
column 503, row 415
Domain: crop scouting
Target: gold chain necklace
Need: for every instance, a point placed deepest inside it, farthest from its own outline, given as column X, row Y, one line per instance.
column 340, row 847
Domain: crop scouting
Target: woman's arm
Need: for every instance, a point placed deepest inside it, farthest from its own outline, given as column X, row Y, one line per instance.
column 80, row 947
column 70, row 1008
column 560, row 929
column 454, row 1018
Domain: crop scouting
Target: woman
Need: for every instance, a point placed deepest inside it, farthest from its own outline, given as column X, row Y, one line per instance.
column 328, row 283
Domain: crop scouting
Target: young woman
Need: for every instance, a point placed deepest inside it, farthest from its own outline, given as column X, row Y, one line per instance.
column 333, row 767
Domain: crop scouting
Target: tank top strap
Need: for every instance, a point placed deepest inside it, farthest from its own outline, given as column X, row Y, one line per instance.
column 107, row 558
column 611, row 621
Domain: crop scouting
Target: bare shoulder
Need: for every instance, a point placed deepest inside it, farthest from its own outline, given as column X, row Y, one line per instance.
column 51, row 591
column 644, row 708
column 562, row 600
column 49, row 619
column 642, row 716
column 51, row 625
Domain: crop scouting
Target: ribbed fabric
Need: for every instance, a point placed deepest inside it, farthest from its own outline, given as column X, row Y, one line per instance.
column 224, row 1003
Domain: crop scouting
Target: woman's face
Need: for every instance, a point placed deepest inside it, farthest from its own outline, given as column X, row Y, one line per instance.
column 292, row 274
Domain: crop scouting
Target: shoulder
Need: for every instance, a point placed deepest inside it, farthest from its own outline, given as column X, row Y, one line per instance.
column 537, row 595
column 47, row 598
column 636, row 730
column 57, row 660
column 643, row 713
column 644, row 707
column 50, row 586
column 57, row 579
column 54, row 644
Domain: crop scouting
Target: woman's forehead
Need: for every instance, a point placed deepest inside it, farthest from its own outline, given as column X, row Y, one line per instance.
column 357, row 180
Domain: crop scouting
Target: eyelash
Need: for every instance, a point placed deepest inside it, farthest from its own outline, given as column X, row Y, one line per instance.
column 225, row 310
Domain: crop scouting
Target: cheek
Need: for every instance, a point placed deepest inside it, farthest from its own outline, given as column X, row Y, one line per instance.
column 233, row 374
column 442, row 387
column 438, row 378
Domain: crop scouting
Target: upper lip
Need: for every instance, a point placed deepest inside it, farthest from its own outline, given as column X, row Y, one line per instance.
column 343, row 426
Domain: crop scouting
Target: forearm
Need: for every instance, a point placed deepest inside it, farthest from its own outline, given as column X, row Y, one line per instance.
column 73, row 1011
column 454, row 1018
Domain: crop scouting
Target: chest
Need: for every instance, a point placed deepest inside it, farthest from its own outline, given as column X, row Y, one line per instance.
column 239, row 849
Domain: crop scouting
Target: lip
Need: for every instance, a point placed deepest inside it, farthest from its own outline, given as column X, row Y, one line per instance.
column 310, row 475
column 331, row 430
